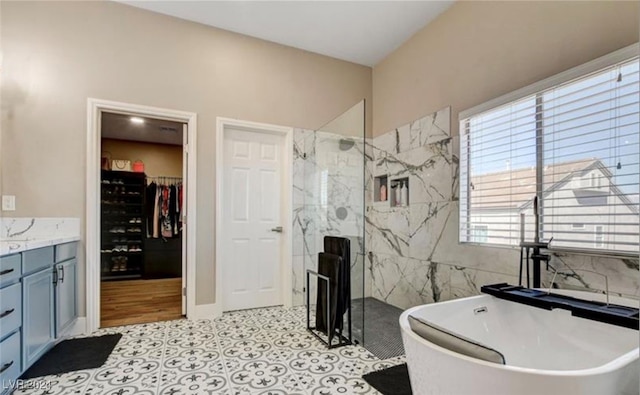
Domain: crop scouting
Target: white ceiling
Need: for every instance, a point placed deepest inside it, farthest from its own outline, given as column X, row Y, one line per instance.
column 362, row 32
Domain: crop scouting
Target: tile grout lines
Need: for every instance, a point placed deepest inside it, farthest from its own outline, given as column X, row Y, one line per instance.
column 256, row 351
column 165, row 340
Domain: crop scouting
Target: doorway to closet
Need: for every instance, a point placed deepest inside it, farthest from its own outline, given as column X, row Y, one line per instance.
column 142, row 202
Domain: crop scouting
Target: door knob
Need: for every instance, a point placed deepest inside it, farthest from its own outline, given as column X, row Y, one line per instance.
column 277, row 229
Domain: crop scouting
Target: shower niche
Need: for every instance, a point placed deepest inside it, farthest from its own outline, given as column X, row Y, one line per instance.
column 381, row 189
column 399, row 192
column 391, row 191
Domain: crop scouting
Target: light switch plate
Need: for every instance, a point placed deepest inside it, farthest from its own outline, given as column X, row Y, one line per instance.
column 8, row 203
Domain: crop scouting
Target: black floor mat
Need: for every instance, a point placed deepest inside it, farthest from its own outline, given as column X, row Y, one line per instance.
column 390, row 381
column 74, row 354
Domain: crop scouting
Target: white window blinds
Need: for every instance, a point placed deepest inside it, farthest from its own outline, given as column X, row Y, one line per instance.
column 574, row 143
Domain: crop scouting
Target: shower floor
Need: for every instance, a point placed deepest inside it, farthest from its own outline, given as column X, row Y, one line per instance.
column 382, row 336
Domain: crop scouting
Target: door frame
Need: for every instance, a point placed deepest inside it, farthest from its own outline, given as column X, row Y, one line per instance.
column 286, row 265
column 95, row 107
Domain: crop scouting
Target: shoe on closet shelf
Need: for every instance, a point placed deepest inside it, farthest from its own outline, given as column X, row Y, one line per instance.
column 123, row 264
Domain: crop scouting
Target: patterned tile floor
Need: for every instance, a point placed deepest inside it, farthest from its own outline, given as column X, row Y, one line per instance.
column 262, row 351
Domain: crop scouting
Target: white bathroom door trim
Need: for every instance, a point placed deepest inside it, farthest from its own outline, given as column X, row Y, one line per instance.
column 287, row 201
column 95, row 107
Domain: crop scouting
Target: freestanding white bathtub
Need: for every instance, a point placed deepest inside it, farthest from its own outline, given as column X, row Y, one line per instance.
column 545, row 352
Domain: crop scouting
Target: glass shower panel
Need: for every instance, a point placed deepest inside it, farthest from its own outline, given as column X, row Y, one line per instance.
column 333, row 200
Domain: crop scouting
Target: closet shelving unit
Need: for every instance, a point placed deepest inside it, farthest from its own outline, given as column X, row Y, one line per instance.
column 122, row 225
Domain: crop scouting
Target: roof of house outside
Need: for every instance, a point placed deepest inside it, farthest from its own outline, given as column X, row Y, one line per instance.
column 489, row 189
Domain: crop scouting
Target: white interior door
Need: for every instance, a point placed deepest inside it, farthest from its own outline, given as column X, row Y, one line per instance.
column 252, row 219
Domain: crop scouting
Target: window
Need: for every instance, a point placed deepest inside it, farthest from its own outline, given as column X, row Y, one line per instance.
column 479, row 233
column 571, row 140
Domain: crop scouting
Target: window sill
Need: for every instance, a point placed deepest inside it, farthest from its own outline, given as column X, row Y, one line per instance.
column 563, row 251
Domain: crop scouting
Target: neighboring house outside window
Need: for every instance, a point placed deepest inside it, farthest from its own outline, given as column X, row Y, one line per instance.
column 479, row 234
column 599, row 237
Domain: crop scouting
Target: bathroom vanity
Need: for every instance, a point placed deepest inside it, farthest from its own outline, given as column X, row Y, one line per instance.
column 38, row 301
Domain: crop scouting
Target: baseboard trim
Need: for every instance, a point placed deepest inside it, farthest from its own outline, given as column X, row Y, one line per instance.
column 79, row 327
column 206, row 311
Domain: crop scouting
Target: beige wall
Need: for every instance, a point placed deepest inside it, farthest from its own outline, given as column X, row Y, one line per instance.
column 479, row 50
column 350, row 123
column 159, row 159
column 57, row 54
column 476, row 51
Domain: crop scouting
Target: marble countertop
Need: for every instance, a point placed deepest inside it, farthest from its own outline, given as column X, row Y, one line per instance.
column 11, row 246
column 22, row 234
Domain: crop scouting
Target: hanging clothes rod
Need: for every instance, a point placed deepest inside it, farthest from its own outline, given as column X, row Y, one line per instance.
column 163, row 179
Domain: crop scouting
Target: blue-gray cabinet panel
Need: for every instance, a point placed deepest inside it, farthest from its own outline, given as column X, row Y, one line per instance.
column 37, row 315
column 66, row 308
column 10, row 309
column 66, row 251
column 9, row 360
column 10, row 268
column 34, row 260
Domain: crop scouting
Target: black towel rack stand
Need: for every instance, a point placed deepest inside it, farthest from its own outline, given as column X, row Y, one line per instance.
column 342, row 340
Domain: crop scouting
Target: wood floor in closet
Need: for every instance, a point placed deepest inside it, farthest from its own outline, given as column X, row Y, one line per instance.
column 139, row 301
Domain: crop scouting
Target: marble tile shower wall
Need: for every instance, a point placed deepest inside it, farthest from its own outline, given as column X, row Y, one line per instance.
column 328, row 184
column 413, row 254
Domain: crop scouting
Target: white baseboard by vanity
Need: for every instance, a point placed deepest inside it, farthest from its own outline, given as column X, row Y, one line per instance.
column 79, row 327
column 206, row 311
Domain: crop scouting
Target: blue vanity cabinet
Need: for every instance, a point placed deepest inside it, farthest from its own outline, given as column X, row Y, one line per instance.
column 10, row 319
column 65, row 276
column 38, row 316
column 38, row 304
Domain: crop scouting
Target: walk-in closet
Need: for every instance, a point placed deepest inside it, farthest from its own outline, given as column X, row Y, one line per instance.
column 142, row 196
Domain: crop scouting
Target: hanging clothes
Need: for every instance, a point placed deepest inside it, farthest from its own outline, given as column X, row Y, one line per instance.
column 149, row 207
column 165, row 220
column 163, row 209
column 173, row 207
column 156, row 212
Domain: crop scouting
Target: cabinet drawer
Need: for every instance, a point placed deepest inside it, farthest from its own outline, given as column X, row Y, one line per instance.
column 66, row 251
column 10, row 308
column 34, row 260
column 10, row 358
column 10, row 268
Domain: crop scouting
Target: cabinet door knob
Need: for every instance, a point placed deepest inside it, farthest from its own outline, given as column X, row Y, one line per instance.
column 6, row 271
column 6, row 366
column 277, row 229
column 6, row 313
column 62, row 274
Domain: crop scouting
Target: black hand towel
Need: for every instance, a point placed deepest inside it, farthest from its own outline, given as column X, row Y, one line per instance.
column 341, row 247
column 328, row 265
